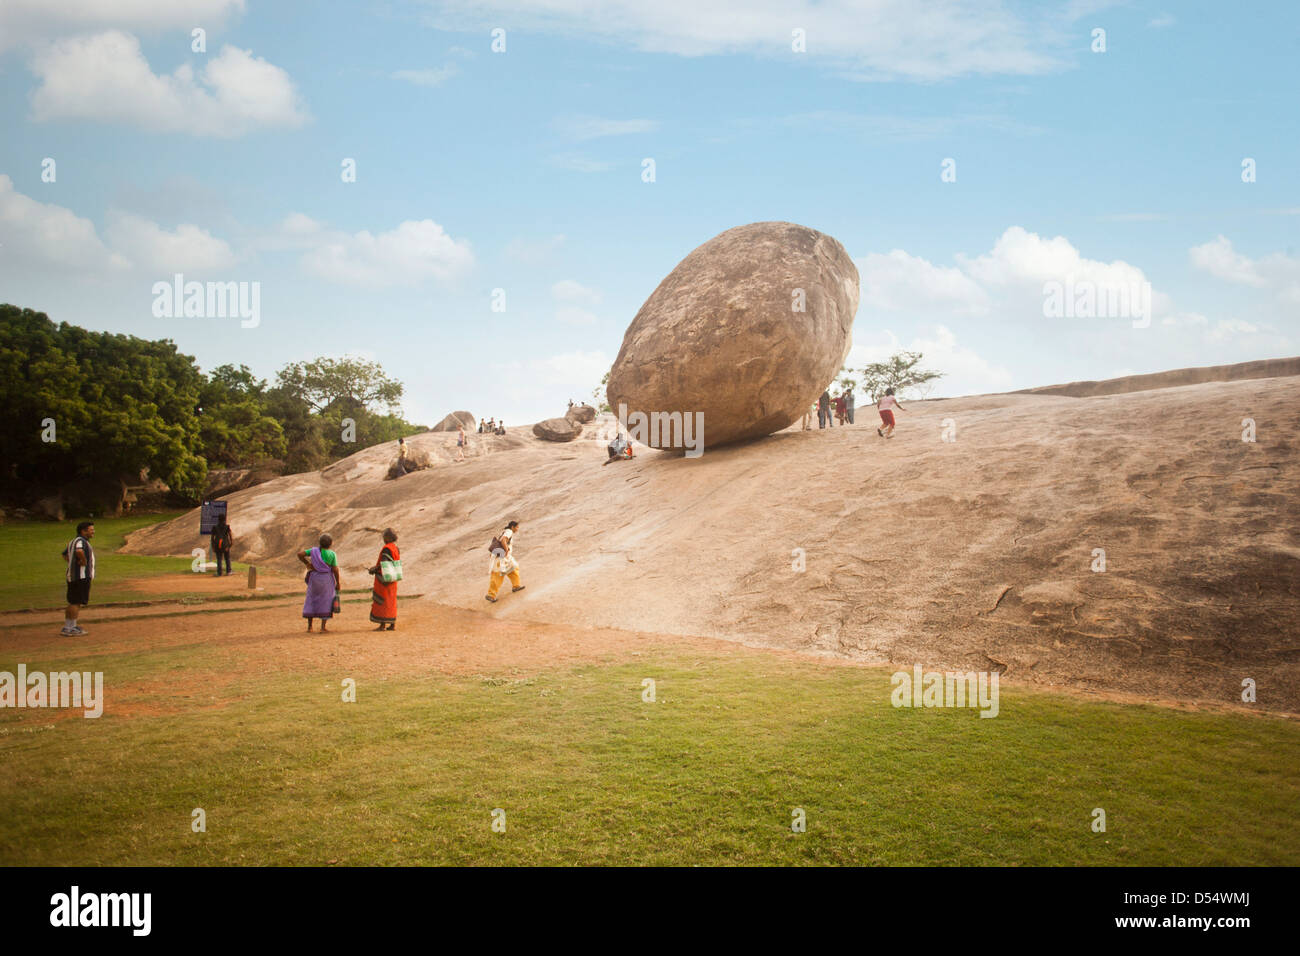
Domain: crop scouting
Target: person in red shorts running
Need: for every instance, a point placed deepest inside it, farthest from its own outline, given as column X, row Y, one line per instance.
column 887, row 404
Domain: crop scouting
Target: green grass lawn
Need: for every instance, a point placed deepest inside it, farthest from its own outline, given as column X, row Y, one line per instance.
column 587, row 772
column 34, row 569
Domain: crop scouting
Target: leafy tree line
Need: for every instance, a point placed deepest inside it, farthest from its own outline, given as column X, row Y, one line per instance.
column 98, row 407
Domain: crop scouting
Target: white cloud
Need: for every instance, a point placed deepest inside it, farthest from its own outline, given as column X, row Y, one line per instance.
column 578, row 369
column 964, row 371
column 1277, row 272
column 411, row 254
column 1161, row 21
column 1023, row 257
column 869, row 39
column 1226, row 329
column 1220, row 260
column 569, row 291
column 593, row 127
column 187, row 248
column 105, row 78
column 43, row 235
column 570, row 297
column 29, row 21
column 427, row 77
column 534, row 251
column 898, row 281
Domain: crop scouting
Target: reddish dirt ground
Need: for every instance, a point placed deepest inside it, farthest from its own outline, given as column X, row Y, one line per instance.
column 234, row 640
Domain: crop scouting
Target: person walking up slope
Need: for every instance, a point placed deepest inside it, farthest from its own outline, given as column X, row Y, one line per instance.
column 503, row 562
column 886, row 405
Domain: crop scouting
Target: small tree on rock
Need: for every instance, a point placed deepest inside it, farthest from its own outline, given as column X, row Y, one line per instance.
column 900, row 372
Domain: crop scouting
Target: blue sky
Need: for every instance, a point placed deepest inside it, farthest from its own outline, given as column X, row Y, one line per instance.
column 522, row 170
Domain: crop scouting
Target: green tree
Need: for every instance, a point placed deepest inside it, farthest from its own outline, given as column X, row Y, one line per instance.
column 118, row 405
column 347, row 382
column 314, row 400
column 598, row 395
column 305, row 448
column 900, row 372
column 235, row 427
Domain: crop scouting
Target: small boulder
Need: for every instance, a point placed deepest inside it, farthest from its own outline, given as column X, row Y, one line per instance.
column 455, row 420
column 557, row 429
column 414, row 461
column 50, row 507
column 581, row 414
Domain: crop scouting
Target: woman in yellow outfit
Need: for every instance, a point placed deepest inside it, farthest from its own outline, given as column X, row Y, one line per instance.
column 504, row 564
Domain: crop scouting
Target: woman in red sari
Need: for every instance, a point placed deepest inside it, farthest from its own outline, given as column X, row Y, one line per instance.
column 383, row 596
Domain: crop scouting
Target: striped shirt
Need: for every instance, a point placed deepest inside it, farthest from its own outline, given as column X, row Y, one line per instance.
column 76, row 570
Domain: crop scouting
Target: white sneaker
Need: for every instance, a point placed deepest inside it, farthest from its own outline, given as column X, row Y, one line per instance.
column 77, row 632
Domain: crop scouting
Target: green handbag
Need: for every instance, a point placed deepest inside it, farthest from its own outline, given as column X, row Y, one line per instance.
column 390, row 571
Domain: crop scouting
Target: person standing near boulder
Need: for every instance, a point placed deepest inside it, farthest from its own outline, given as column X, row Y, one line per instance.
column 221, row 539
column 848, row 401
column 503, row 562
column 81, row 571
column 824, row 409
column 387, row 572
column 322, row 582
column 460, row 443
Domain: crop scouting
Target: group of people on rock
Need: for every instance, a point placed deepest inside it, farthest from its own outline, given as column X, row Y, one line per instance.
column 830, row 409
column 492, row 427
column 840, row 408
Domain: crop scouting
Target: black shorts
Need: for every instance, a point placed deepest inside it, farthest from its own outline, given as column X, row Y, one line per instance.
column 79, row 591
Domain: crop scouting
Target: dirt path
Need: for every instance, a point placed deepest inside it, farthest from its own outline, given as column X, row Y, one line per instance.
column 235, row 640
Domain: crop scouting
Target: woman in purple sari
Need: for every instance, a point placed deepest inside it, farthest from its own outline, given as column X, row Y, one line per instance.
column 322, row 582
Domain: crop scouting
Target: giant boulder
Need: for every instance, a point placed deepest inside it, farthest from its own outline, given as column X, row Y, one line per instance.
column 557, row 429
column 748, row 330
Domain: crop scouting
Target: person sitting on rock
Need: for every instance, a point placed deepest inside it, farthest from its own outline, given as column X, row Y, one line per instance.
column 501, row 428
column 619, row 449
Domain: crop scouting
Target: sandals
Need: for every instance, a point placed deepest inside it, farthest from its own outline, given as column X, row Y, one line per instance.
column 520, row 588
column 488, row 597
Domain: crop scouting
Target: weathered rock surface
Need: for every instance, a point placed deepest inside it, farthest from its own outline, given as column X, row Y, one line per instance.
column 748, row 329
column 557, row 429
